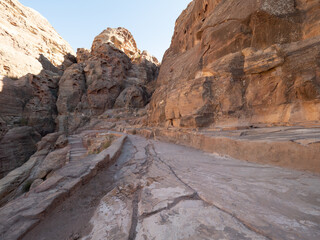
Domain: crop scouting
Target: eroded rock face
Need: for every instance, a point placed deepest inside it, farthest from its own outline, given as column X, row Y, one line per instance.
column 51, row 154
column 119, row 38
column 114, row 74
column 235, row 63
column 16, row 147
column 24, row 35
column 32, row 59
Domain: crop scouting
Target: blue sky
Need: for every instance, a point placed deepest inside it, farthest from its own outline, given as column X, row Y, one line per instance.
column 78, row 21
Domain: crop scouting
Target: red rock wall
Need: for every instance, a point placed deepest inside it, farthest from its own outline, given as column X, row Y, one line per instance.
column 241, row 63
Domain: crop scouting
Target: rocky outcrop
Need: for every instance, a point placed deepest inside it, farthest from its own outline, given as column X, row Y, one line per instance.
column 50, row 155
column 32, row 59
column 29, row 101
column 16, row 147
column 25, row 35
column 241, row 63
column 41, row 196
column 113, row 74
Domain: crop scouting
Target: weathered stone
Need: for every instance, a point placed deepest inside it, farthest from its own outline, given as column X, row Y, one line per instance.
column 261, row 61
column 17, row 182
column 132, row 97
column 25, row 36
column 32, row 58
column 83, row 55
column 61, row 142
column 53, row 161
column 158, row 196
column 235, row 63
column 113, row 74
column 24, row 213
column 48, row 141
column 120, row 38
column 36, row 183
column 71, row 88
column 16, row 147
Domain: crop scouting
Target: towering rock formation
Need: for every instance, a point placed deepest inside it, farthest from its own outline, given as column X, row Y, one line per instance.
column 114, row 74
column 41, row 79
column 241, row 63
column 32, row 57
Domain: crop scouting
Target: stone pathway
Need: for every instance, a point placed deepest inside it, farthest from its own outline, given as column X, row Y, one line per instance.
column 22, row 214
column 291, row 147
column 77, row 150
column 159, row 190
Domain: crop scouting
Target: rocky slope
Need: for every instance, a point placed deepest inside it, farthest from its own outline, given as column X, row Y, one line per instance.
column 113, row 74
column 32, row 59
column 241, row 63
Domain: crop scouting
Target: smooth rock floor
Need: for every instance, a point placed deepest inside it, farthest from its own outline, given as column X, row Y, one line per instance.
column 159, row 190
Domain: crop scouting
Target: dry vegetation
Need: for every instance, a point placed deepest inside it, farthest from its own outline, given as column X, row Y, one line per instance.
column 96, row 143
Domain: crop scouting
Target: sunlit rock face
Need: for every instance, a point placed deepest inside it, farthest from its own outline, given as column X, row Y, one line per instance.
column 24, row 35
column 241, row 63
column 32, row 59
column 113, row 74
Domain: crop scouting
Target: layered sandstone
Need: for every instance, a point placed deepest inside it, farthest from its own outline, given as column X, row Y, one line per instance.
column 241, row 63
column 113, row 74
column 32, row 59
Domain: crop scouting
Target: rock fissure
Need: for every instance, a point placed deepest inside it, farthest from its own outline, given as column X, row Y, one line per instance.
column 243, row 222
column 197, row 196
column 171, row 169
column 135, row 213
column 169, row 206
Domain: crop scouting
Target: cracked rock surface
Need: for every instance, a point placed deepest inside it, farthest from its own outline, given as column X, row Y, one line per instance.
column 158, row 190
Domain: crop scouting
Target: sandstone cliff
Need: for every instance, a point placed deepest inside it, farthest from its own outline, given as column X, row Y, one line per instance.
column 32, row 59
column 241, row 63
column 113, row 74
column 24, row 35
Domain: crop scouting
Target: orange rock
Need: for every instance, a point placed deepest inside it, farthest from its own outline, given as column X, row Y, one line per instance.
column 241, row 63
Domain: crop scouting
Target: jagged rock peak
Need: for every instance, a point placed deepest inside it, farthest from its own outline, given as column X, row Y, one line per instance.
column 123, row 40
column 24, row 36
column 113, row 74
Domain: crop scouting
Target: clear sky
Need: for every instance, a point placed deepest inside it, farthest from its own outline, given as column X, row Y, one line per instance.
column 151, row 22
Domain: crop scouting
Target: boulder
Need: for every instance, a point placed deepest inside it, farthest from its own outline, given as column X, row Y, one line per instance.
column 53, row 161
column 241, row 63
